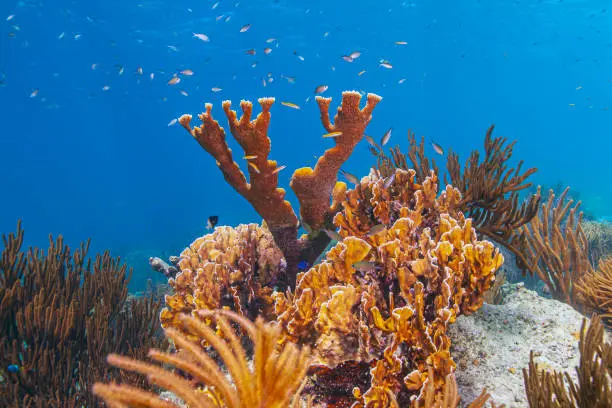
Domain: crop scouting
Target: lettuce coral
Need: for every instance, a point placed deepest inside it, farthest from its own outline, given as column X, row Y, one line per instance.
column 408, row 264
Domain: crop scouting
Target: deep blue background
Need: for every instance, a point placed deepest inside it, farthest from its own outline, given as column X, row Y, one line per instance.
column 83, row 162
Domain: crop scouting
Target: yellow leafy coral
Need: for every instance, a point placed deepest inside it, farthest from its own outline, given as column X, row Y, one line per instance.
column 230, row 268
column 382, row 299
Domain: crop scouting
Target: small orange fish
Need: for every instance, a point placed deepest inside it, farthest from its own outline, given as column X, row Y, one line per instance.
column 267, row 50
column 290, row 105
column 245, row 28
column 254, row 167
column 250, row 52
column 175, row 80
column 279, row 169
column 320, row 89
column 332, row 134
column 187, row 72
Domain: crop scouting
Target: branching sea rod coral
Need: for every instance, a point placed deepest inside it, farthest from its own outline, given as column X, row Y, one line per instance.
column 409, row 263
column 314, row 188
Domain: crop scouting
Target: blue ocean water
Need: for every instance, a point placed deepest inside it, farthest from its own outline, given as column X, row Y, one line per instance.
column 87, row 150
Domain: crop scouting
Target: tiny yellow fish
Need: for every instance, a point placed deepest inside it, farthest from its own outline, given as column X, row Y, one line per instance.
column 279, row 169
column 401, row 42
column 249, row 157
column 254, row 167
column 175, row 80
column 290, row 105
column 332, row 134
column 361, row 72
column 245, row 28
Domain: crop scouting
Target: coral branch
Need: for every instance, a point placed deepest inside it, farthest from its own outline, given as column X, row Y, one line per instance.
column 314, row 188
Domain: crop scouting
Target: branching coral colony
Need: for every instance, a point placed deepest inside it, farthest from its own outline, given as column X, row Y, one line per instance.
column 375, row 310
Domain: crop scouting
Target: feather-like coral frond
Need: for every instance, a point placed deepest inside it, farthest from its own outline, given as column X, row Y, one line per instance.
column 273, row 380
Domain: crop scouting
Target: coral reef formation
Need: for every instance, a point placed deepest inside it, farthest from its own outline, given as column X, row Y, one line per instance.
column 61, row 314
column 273, row 380
column 230, row 268
column 313, row 188
column 489, row 188
column 408, row 264
column 594, row 388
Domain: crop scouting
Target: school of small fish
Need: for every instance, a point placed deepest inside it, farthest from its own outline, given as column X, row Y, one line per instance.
column 214, row 27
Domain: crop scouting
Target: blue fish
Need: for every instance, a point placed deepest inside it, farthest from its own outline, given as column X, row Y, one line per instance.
column 13, row 368
column 303, row 265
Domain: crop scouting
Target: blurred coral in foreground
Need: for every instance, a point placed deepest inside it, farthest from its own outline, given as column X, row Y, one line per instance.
column 272, row 380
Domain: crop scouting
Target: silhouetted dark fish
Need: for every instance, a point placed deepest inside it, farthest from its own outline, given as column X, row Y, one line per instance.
column 212, row 221
column 333, row 235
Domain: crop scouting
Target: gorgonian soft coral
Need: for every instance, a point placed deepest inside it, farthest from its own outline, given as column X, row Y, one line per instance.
column 408, row 264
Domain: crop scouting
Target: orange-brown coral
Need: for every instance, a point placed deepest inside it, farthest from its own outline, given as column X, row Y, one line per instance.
column 595, row 290
column 314, row 188
column 272, row 380
column 231, row 267
column 409, row 263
